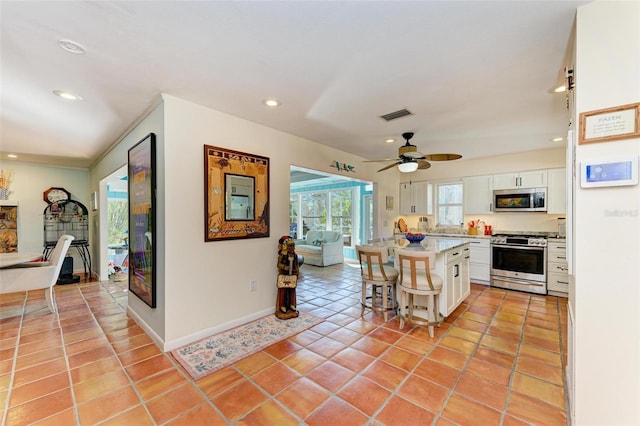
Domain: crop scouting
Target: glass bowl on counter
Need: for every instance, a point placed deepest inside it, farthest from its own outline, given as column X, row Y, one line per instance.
column 414, row 238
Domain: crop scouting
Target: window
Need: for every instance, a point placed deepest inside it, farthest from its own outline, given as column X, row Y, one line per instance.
column 449, row 204
column 314, row 211
column 341, row 216
column 322, row 210
column 293, row 216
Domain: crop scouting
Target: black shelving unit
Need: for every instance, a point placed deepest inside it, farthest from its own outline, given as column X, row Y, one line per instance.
column 70, row 218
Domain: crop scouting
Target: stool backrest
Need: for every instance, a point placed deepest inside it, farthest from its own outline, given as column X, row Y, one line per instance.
column 417, row 264
column 371, row 258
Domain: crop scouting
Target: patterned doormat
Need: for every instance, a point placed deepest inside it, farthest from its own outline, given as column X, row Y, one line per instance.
column 215, row 352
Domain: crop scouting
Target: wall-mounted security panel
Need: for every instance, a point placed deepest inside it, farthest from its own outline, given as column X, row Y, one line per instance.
column 619, row 171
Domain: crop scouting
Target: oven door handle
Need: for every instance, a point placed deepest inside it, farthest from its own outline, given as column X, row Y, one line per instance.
column 539, row 248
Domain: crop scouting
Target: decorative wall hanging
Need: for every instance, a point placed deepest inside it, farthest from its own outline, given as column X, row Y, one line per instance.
column 5, row 183
column 343, row 167
column 142, row 219
column 236, row 195
column 389, row 202
column 8, row 228
column 610, row 124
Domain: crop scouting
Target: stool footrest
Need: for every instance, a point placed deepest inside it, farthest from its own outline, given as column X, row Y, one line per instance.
column 420, row 320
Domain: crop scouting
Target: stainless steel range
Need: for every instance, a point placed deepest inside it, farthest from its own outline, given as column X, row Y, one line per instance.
column 519, row 262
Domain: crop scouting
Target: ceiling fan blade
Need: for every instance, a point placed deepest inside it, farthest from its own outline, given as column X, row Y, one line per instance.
column 414, row 155
column 423, row 164
column 379, row 161
column 442, row 157
column 389, row 166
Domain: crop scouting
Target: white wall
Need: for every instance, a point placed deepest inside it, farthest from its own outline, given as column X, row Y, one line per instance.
column 207, row 283
column 29, row 182
column 112, row 161
column 607, row 275
column 524, row 161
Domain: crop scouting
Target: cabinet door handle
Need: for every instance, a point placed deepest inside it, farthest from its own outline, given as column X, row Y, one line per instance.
column 561, row 257
column 457, row 270
column 467, row 257
column 562, row 282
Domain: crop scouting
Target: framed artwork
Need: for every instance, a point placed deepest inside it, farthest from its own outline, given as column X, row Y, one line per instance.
column 236, row 195
column 610, row 124
column 8, row 227
column 389, row 201
column 142, row 219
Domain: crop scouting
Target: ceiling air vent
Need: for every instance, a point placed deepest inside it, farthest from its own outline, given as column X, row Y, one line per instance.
column 396, row 114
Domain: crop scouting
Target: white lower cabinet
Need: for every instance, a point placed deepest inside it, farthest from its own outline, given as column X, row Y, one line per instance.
column 453, row 267
column 557, row 269
column 455, row 274
column 480, row 260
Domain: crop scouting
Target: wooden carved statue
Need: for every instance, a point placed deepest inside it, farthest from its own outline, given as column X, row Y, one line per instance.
column 288, row 270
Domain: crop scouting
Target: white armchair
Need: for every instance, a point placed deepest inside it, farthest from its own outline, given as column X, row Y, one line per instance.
column 321, row 248
column 37, row 275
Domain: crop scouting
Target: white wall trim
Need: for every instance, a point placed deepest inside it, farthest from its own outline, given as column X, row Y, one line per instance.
column 157, row 340
column 194, row 337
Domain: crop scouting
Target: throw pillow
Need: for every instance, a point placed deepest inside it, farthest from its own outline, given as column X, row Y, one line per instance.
column 317, row 242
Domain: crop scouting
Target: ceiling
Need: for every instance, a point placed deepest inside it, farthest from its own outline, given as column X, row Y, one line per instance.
column 476, row 75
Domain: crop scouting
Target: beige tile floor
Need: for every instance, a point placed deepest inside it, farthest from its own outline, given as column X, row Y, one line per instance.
column 498, row 360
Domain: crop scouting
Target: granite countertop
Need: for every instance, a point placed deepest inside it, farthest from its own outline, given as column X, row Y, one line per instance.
column 438, row 245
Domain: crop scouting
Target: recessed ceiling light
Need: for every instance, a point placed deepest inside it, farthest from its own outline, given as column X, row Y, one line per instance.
column 66, row 95
column 71, row 46
column 12, row 156
column 271, row 103
column 560, row 89
column 390, row 140
column 557, row 139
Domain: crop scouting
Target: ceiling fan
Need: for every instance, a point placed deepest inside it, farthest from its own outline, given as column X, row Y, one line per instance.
column 410, row 160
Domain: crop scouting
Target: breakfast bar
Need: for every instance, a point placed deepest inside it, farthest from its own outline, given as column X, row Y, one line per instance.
column 452, row 264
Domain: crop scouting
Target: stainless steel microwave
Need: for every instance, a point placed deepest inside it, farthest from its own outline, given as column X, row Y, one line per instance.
column 520, row 200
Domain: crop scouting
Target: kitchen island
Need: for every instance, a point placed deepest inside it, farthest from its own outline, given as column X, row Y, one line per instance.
column 452, row 264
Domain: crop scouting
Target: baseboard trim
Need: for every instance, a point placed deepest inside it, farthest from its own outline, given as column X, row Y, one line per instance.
column 157, row 340
column 191, row 338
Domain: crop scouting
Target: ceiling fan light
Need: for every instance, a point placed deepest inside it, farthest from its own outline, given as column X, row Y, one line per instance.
column 408, row 167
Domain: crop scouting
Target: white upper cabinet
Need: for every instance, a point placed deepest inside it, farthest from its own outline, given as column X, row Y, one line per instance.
column 415, row 198
column 478, row 194
column 557, row 191
column 533, row 179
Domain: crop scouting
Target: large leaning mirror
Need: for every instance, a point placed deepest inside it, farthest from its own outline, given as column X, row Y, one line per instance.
column 236, row 186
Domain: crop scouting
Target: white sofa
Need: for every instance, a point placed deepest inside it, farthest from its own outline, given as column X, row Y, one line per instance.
column 321, row 248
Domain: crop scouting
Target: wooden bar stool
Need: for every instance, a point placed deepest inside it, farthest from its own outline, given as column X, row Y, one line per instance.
column 416, row 279
column 378, row 275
